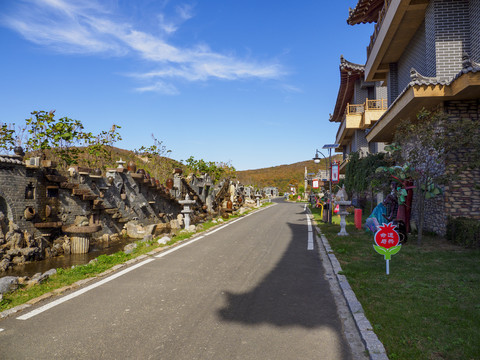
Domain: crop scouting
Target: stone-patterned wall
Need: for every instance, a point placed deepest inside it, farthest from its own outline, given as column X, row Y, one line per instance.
column 452, row 35
column 463, row 196
column 475, row 29
column 381, row 92
column 12, row 178
column 392, row 83
column 435, row 219
column 375, row 147
column 414, row 56
column 361, row 143
column 430, row 60
column 360, row 93
column 460, row 198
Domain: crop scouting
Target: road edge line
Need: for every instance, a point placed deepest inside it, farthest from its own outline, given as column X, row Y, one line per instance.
column 60, row 291
column 375, row 348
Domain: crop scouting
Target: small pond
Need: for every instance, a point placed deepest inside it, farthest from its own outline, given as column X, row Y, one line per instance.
column 66, row 261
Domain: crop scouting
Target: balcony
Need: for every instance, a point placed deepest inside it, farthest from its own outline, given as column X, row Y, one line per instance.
column 397, row 23
column 359, row 117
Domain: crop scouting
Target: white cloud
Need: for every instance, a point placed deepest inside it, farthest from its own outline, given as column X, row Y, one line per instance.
column 88, row 27
column 185, row 11
column 159, row 87
column 167, row 26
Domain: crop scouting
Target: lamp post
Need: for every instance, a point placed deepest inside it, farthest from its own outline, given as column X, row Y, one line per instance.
column 317, row 159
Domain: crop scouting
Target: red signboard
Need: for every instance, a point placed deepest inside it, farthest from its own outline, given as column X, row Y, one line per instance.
column 386, row 236
column 335, row 174
column 315, row 183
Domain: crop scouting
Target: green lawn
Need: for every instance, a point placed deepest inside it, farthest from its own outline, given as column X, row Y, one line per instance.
column 429, row 305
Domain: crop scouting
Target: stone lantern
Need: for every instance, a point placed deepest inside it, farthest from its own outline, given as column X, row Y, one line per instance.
column 186, row 209
column 342, row 200
column 258, row 196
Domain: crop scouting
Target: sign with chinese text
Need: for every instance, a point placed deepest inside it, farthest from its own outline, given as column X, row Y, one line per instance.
column 315, row 183
column 387, row 242
column 335, row 173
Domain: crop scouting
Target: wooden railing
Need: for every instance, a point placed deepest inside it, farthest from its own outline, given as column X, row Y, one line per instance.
column 355, row 109
column 379, row 104
column 378, row 25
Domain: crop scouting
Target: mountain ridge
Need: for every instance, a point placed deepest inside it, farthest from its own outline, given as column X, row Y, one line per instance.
column 282, row 175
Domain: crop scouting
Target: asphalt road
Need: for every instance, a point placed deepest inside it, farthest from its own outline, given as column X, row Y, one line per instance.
column 251, row 290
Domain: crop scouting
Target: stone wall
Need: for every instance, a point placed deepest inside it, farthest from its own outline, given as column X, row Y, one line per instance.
column 452, row 35
column 413, row 57
column 392, row 83
column 435, row 218
column 360, row 94
column 83, row 203
column 360, row 143
column 475, row 30
column 430, row 62
column 381, row 91
column 462, row 197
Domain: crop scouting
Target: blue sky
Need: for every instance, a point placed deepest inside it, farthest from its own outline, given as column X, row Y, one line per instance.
column 251, row 82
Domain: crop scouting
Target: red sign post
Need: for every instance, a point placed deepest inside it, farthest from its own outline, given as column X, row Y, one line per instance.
column 387, row 242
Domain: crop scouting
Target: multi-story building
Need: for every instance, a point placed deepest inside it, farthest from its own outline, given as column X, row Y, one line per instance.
column 427, row 52
column 359, row 105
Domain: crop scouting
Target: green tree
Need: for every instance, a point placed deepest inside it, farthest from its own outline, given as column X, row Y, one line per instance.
column 7, row 138
column 99, row 147
column 63, row 136
column 433, row 150
column 217, row 171
column 360, row 174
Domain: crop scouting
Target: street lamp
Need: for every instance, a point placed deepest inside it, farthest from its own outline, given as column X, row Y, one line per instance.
column 317, row 159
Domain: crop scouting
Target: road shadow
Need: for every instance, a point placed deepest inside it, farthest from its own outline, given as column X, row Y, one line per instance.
column 294, row 293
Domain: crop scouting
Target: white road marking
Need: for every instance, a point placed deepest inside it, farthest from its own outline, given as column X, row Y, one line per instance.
column 310, row 234
column 1, row 330
column 80, row 292
column 309, row 223
column 114, row 276
column 178, row 247
column 310, row 241
column 214, row 231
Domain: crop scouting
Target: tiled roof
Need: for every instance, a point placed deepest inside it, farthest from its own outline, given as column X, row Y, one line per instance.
column 349, row 73
column 11, row 159
column 469, row 66
column 366, row 11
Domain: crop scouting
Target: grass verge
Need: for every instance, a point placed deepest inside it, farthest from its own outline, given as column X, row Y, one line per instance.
column 66, row 277
column 429, row 305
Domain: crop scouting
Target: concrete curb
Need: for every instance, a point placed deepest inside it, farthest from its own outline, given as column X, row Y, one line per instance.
column 376, row 350
column 62, row 290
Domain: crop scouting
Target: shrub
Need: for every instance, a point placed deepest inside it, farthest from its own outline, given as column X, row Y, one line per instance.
column 464, row 231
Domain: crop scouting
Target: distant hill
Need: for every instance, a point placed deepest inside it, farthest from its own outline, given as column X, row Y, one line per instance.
column 161, row 168
column 281, row 176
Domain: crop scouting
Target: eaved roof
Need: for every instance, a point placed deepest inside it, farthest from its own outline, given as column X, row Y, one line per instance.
column 349, row 73
column 366, row 11
column 11, row 159
column 417, row 80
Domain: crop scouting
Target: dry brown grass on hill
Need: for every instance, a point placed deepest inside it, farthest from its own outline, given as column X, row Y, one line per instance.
column 159, row 167
column 280, row 176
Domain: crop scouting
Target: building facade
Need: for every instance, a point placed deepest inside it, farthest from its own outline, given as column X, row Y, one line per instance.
column 359, row 105
column 427, row 53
